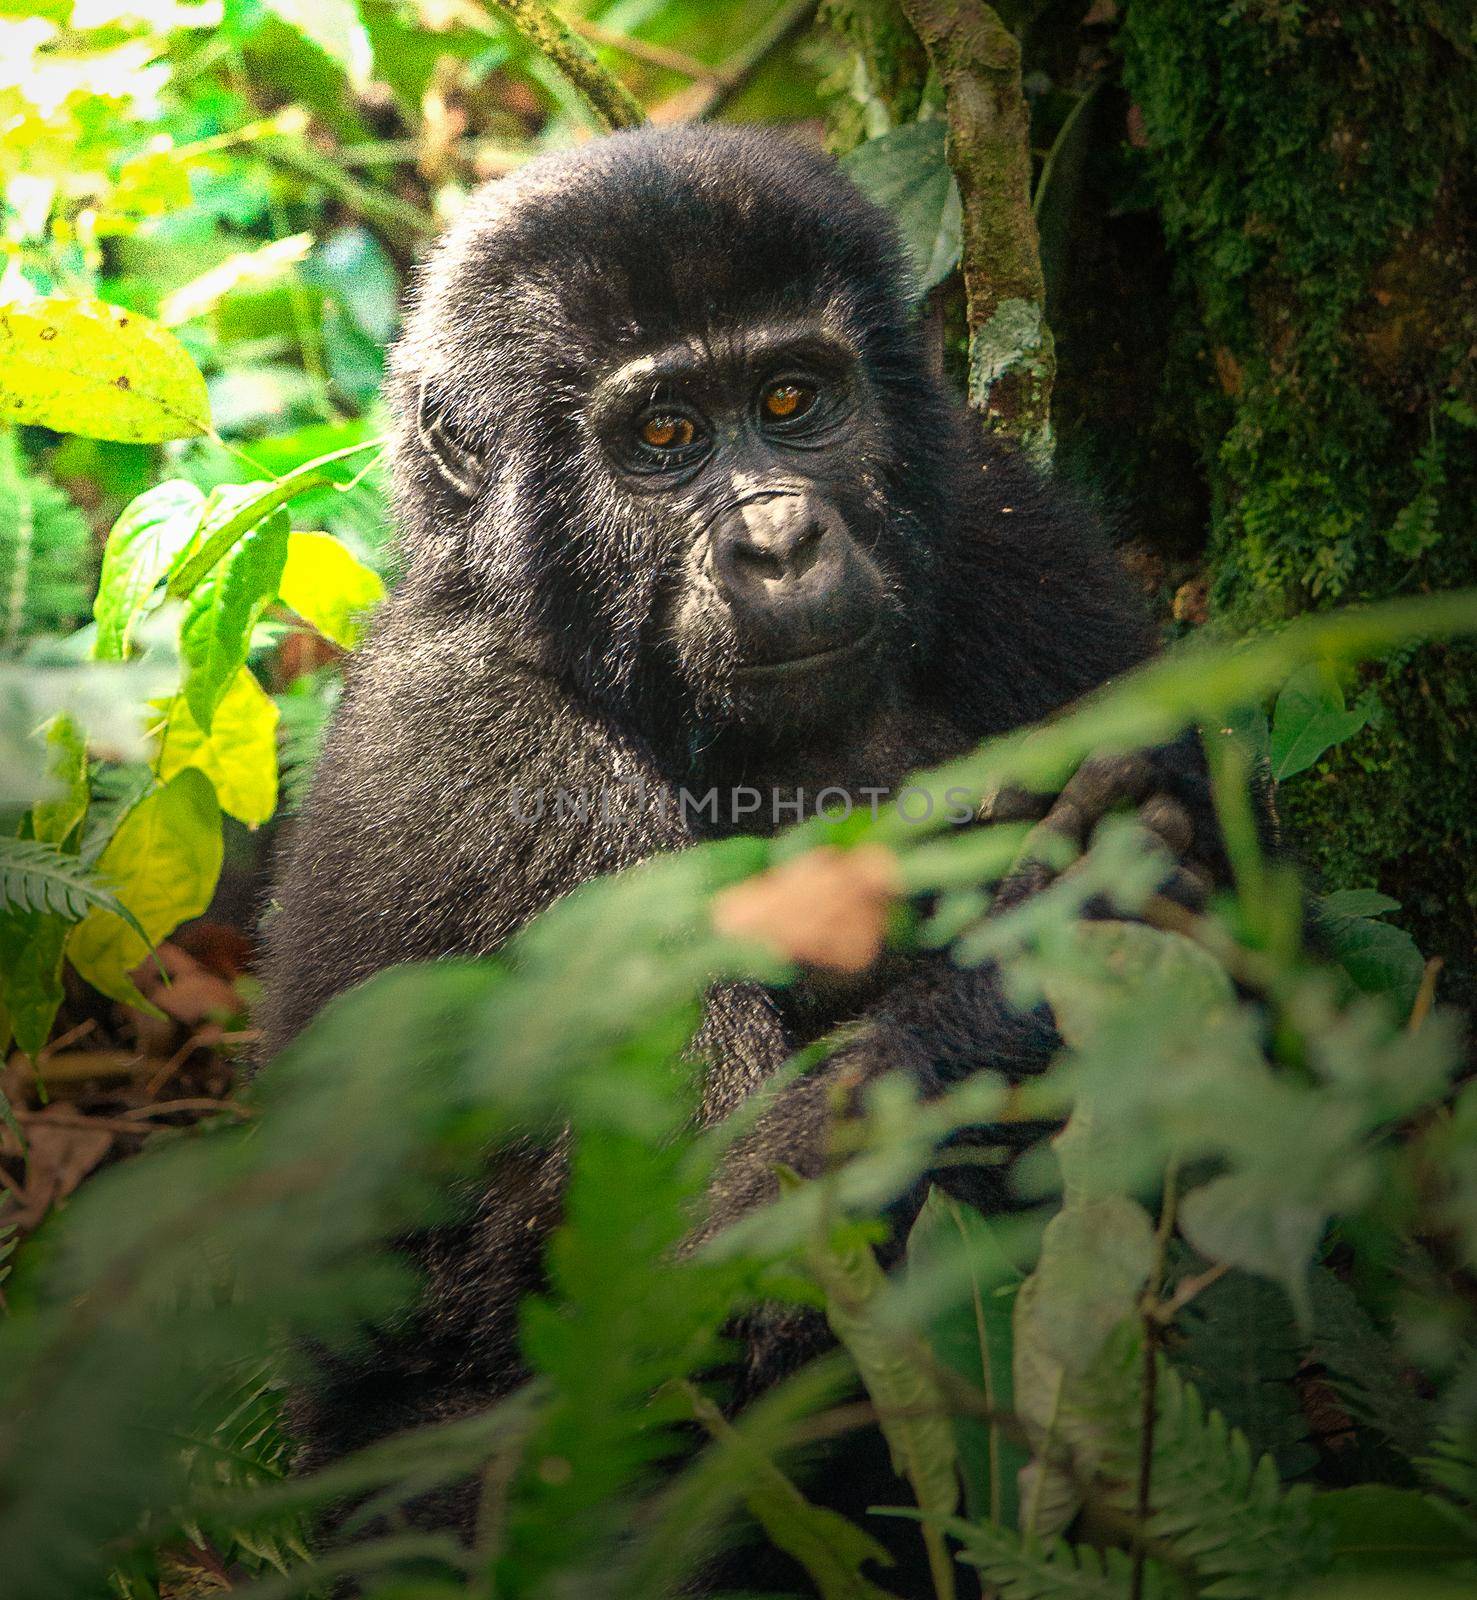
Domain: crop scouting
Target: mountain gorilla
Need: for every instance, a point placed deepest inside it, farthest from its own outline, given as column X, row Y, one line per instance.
column 684, row 505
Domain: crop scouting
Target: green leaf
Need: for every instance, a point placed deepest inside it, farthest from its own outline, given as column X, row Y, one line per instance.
column 337, row 29
column 233, row 510
column 1356, row 903
column 238, row 755
column 831, row 1548
column 972, row 1336
column 1309, row 719
column 1372, row 1525
column 31, row 993
column 144, row 543
column 329, row 587
column 1027, row 1569
column 898, row 1373
column 1379, row 957
column 36, row 876
column 215, row 634
column 907, row 173
column 1245, row 1219
column 82, row 366
column 164, row 859
column 45, row 551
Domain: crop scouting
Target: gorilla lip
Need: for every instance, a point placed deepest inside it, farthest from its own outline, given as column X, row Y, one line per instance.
column 816, row 658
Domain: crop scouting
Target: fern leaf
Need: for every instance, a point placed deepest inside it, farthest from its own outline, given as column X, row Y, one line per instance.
column 1214, row 1505
column 35, row 876
column 1363, row 1370
column 1015, row 1568
column 45, row 551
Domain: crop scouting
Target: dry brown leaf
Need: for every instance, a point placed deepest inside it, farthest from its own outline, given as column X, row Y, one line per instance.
column 59, row 1155
column 826, row 909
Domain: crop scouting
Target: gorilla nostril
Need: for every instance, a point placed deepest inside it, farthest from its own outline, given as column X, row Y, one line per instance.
column 762, row 563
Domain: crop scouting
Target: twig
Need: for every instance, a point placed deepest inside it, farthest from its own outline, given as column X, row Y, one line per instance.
column 1426, row 995
column 1152, row 1329
column 1167, row 1310
column 607, row 96
column 1012, row 362
column 729, row 80
column 654, row 55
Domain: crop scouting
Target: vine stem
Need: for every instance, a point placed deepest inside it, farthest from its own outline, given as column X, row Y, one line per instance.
column 1153, row 1329
column 607, row 96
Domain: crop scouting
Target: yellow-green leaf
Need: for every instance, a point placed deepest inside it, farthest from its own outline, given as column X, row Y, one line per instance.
column 163, row 863
column 238, row 755
column 329, row 588
column 83, row 366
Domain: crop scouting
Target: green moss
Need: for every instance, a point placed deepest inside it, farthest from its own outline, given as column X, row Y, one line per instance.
column 1313, row 168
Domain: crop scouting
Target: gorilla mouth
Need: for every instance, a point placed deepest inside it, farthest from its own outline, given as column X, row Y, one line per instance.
column 811, row 661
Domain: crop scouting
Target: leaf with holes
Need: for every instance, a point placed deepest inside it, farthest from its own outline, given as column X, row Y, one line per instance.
column 83, row 366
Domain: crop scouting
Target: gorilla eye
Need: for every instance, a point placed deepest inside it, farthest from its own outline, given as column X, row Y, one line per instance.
column 664, row 430
column 786, row 400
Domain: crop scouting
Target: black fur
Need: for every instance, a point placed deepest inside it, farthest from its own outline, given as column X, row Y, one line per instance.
column 546, row 634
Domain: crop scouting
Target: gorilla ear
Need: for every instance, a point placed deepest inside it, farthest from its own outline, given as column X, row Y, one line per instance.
column 456, row 460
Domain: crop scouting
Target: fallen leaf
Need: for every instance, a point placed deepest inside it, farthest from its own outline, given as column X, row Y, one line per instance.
column 827, row 908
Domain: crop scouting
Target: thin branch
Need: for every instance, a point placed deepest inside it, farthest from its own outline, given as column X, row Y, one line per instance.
column 729, row 80
column 607, row 96
column 643, row 50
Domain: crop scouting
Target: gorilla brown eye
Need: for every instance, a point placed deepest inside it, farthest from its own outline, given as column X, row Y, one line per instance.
column 665, row 431
column 786, row 400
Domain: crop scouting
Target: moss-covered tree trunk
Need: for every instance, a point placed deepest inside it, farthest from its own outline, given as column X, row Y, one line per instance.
column 1314, row 165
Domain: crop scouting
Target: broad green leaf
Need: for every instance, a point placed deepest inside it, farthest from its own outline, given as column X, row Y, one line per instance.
column 82, row 366
column 329, row 587
column 1246, row 1220
column 234, row 509
column 336, row 27
column 897, row 1370
column 142, row 546
column 1099, row 967
column 164, row 860
column 832, row 1549
column 906, row 172
column 1309, row 719
column 1379, row 957
column 972, row 1336
column 1356, row 903
column 215, row 635
column 54, row 818
column 238, row 755
column 31, row 944
column 1373, row 1525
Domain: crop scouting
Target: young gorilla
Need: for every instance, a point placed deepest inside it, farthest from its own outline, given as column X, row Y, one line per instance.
column 685, row 508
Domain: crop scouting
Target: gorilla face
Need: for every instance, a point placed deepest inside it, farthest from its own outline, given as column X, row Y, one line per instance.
column 744, row 452
column 694, row 464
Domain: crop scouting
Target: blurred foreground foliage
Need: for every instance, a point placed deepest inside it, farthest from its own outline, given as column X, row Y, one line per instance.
column 1223, row 1349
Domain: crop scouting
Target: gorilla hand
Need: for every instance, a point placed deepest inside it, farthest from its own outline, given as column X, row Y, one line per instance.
column 1167, row 786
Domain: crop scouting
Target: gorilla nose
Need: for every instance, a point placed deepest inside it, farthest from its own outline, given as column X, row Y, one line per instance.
column 771, row 547
column 792, row 576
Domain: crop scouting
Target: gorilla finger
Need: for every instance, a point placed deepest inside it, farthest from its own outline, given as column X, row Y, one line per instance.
column 1168, row 820
column 1102, row 783
column 1188, row 888
column 1010, row 803
column 1030, row 878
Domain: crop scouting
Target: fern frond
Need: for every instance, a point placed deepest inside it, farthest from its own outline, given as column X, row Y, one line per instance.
column 1214, row 1506
column 46, row 553
column 1025, row 1569
column 1363, row 1370
column 35, row 876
